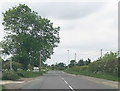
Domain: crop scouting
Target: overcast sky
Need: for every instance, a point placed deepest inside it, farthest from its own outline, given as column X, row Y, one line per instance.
column 86, row 27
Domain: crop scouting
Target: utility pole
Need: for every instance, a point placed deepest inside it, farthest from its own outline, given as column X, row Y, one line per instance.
column 75, row 58
column 40, row 62
column 10, row 64
column 101, row 53
column 118, row 54
column 68, row 59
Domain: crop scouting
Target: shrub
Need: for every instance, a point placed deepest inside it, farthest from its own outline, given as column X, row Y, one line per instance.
column 10, row 75
column 29, row 67
column 83, row 68
column 28, row 74
column 15, row 65
column 105, row 66
column 79, row 68
column 20, row 74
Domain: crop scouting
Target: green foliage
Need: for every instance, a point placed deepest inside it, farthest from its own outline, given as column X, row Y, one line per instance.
column 52, row 66
column 106, row 68
column 0, row 64
column 29, row 67
column 60, row 66
column 72, row 63
column 98, row 75
column 87, row 62
column 15, row 65
column 9, row 75
column 28, row 34
column 80, row 63
column 78, row 68
column 119, row 68
column 108, row 57
column 0, row 45
column 28, row 74
column 109, row 65
column 0, row 87
column 20, row 74
column 0, row 68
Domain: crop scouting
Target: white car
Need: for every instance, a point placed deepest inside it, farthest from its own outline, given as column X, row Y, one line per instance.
column 36, row 69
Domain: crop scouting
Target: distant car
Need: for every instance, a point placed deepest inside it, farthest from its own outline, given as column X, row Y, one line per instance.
column 35, row 69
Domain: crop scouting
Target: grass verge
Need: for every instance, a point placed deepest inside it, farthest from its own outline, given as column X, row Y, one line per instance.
column 28, row 74
column 12, row 75
column 97, row 75
column 0, row 87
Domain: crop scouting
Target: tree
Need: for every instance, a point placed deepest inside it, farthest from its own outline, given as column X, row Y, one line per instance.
column 89, row 60
column 28, row 35
column 15, row 65
column 60, row 66
column 52, row 66
column 72, row 63
column 0, row 65
column 80, row 63
column 108, row 56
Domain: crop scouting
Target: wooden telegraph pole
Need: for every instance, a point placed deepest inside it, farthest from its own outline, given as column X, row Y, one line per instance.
column 40, row 62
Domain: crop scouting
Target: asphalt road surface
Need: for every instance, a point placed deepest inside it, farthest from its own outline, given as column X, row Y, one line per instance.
column 59, row 80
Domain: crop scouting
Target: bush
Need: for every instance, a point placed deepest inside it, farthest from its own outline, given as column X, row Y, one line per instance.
column 10, row 75
column 15, row 65
column 106, row 66
column 78, row 68
column 29, row 67
column 20, row 74
column 28, row 74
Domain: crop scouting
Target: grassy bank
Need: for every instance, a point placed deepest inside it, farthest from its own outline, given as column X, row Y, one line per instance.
column 29, row 74
column 96, row 75
column 12, row 75
column 0, row 87
column 105, row 68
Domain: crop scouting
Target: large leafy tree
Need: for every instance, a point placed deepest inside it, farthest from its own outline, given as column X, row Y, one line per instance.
column 60, row 66
column 72, row 63
column 80, row 63
column 28, row 35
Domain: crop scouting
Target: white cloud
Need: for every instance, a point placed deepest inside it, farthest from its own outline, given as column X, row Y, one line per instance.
column 89, row 34
column 84, row 29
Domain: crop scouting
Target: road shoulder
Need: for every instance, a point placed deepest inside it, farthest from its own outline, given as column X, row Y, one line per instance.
column 97, row 80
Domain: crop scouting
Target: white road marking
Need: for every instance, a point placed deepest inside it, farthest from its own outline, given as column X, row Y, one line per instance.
column 67, row 83
column 71, row 87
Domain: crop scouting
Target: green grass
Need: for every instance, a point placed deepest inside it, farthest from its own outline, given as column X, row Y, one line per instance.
column 28, row 74
column 21, row 74
column 10, row 75
column 0, row 87
column 97, row 75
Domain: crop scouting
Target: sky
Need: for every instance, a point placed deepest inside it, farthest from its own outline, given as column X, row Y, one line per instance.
column 87, row 26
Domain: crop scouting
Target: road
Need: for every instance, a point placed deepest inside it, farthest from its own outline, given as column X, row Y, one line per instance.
column 59, row 80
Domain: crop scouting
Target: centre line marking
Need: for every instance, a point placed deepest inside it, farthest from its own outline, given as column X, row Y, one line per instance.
column 71, row 87
column 67, row 83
